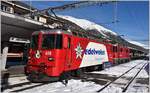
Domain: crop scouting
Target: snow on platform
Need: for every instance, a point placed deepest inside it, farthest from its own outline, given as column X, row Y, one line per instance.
column 16, row 80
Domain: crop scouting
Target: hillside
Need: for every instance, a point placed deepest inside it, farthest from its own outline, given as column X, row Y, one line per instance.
column 86, row 27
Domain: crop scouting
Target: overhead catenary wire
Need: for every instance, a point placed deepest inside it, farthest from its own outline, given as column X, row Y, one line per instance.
column 115, row 15
column 115, row 12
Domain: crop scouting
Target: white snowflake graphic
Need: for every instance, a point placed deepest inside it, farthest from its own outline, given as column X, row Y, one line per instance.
column 78, row 51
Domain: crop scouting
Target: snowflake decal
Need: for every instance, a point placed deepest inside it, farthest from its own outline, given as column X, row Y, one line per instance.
column 78, row 51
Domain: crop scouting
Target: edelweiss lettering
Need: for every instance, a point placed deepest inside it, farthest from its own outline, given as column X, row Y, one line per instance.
column 94, row 52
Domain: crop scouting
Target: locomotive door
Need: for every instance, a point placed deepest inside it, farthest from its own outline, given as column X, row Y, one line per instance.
column 68, row 58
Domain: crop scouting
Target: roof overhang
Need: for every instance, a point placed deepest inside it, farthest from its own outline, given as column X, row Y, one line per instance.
column 17, row 26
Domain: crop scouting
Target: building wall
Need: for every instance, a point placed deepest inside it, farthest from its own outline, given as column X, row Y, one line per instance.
column 13, row 8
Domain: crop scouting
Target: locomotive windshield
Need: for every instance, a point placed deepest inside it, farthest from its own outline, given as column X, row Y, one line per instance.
column 34, row 42
column 51, row 41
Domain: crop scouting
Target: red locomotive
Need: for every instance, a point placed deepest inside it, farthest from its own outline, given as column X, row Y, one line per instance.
column 55, row 52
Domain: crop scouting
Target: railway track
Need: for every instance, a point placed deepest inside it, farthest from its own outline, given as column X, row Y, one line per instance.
column 122, row 75
column 30, row 87
column 22, row 86
column 99, row 79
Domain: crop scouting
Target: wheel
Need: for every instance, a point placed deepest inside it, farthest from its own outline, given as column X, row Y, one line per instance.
column 64, row 78
column 100, row 67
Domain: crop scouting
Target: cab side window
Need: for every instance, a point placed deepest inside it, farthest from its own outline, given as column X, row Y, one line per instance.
column 69, row 43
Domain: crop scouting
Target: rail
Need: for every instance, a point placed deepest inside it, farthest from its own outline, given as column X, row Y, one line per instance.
column 126, row 87
column 123, row 75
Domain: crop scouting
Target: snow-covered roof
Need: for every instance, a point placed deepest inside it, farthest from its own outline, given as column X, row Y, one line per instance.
column 137, row 43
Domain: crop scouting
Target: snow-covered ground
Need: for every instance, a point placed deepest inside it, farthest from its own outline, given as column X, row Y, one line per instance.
column 79, row 86
column 74, row 86
column 120, row 69
column 16, row 80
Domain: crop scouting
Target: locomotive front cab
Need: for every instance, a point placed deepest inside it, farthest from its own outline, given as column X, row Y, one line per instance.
column 46, row 55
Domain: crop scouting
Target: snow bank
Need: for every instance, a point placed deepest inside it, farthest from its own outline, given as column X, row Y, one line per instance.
column 87, row 25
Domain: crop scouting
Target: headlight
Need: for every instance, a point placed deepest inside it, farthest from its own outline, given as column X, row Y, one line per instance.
column 37, row 55
column 51, row 59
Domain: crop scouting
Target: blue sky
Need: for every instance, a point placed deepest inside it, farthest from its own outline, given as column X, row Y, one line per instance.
column 133, row 16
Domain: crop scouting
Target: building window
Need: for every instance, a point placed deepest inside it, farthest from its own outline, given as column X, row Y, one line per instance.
column 6, row 8
column 36, row 18
column 3, row 8
column 42, row 19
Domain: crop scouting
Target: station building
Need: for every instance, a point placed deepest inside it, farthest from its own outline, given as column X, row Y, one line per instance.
column 17, row 25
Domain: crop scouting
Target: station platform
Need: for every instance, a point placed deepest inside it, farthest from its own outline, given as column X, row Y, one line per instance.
column 14, row 71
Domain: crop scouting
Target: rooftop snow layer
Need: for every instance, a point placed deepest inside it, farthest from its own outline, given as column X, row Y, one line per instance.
column 137, row 43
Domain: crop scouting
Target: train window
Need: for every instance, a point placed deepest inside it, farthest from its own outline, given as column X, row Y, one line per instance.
column 58, row 41
column 48, row 41
column 84, row 35
column 69, row 42
column 120, row 49
column 51, row 41
column 115, row 49
column 74, row 33
column 80, row 35
column 34, row 42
